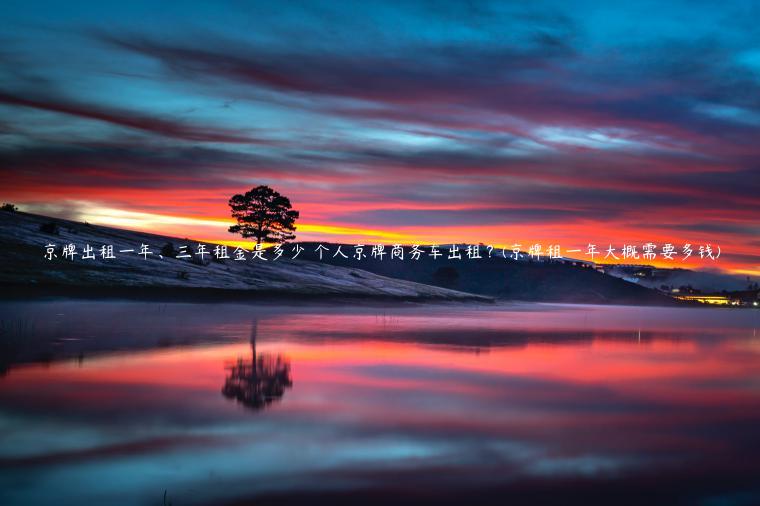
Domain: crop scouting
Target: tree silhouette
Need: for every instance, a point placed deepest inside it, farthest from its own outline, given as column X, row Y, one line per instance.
column 264, row 214
column 257, row 383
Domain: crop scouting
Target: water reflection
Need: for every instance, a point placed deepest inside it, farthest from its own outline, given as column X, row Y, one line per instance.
column 444, row 405
column 260, row 381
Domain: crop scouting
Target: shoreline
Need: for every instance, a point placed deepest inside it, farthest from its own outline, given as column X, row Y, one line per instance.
column 169, row 294
column 213, row 295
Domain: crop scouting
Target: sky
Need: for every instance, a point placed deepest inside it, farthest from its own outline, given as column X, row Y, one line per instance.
column 398, row 122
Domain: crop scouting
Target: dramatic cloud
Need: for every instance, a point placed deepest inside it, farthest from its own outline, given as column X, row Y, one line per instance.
column 127, row 119
column 442, row 122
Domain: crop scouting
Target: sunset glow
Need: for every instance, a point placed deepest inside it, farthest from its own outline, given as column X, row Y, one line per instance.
column 498, row 125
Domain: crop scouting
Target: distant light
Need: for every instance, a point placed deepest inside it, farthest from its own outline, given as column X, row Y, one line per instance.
column 755, row 303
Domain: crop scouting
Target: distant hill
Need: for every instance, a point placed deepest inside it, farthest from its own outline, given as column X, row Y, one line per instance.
column 23, row 267
column 501, row 278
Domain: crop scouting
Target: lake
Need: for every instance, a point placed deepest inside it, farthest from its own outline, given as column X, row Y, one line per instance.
column 111, row 402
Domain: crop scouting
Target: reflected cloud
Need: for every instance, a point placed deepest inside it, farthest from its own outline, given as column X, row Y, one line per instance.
column 550, row 401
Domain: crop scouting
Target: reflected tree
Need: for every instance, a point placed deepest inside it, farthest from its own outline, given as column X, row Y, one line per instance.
column 260, row 381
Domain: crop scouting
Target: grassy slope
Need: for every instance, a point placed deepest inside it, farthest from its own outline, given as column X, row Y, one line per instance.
column 23, row 264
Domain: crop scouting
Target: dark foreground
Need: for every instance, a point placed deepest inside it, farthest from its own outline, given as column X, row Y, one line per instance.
column 118, row 402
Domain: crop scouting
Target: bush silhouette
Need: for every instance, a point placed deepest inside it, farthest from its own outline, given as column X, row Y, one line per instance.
column 49, row 228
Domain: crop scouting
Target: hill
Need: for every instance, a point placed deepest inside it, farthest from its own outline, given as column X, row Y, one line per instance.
column 501, row 277
column 24, row 266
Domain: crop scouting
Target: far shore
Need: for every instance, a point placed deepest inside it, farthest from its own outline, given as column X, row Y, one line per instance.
column 12, row 292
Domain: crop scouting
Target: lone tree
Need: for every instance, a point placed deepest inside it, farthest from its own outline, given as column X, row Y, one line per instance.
column 264, row 214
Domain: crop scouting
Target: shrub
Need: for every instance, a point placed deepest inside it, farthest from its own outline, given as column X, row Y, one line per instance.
column 49, row 228
column 8, row 207
column 168, row 250
column 446, row 276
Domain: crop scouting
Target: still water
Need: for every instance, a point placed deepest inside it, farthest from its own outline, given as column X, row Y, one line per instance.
column 154, row 403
